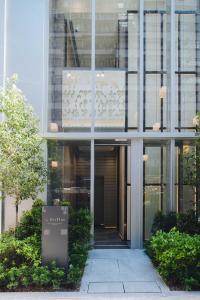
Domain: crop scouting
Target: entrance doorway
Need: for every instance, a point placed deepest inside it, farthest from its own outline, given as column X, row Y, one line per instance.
column 111, row 200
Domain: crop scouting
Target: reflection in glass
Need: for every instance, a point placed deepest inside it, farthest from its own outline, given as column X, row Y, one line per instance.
column 154, row 184
column 69, row 49
column 187, row 63
column 117, row 56
column 69, row 173
column 185, row 193
column 155, row 65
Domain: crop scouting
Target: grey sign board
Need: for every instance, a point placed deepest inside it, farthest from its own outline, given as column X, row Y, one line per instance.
column 55, row 235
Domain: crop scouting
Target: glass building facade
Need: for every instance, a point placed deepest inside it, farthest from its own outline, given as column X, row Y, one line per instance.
column 123, row 95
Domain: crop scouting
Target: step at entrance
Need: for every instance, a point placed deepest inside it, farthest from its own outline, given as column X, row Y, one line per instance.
column 108, row 239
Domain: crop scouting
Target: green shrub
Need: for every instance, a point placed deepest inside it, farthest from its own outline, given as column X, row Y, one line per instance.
column 164, row 222
column 14, row 253
column 80, row 224
column 44, row 276
column 177, row 256
column 74, row 275
column 184, row 222
column 79, row 234
column 31, row 222
column 188, row 223
column 20, row 253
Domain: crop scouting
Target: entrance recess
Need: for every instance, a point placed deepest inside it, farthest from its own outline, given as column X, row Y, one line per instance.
column 112, row 194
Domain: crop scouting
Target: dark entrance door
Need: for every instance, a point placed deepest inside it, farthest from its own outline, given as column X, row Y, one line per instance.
column 99, row 201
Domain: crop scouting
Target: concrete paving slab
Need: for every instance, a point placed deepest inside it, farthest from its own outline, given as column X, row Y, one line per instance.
column 141, row 287
column 121, row 265
column 105, row 287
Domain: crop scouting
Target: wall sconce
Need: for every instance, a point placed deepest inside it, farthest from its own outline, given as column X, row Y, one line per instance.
column 195, row 121
column 53, row 127
column 163, row 92
column 54, row 164
column 156, row 126
column 145, row 157
column 186, row 149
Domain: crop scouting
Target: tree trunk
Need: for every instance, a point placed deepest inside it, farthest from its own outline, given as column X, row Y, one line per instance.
column 17, row 212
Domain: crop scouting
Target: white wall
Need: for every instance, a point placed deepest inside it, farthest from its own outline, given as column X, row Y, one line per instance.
column 27, row 48
column 26, row 55
column 1, row 40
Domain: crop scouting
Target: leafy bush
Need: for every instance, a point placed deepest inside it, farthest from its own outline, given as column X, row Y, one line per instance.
column 188, row 223
column 177, row 257
column 79, row 238
column 31, row 276
column 20, row 253
column 80, row 224
column 14, row 253
column 74, row 275
column 164, row 222
column 31, row 222
column 184, row 222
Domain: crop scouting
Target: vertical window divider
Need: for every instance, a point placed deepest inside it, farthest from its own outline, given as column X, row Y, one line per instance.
column 162, row 67
column 93, row 55
column 172, row 98
column 141, row 104
column 93, row 94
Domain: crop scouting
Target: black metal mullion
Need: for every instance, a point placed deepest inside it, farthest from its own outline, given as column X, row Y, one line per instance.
column 144, row 77
column 126, row 66
column 162, row 175
column 162, row 67
column 180, row 177
column 144, row 185
column 65, row 49
column 125, row 192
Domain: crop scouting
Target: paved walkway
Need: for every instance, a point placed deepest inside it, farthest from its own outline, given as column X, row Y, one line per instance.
column 121, row 271
column 114, row 275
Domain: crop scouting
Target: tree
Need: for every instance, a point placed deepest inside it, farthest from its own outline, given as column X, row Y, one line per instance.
column 22, row 167
column 191, row 166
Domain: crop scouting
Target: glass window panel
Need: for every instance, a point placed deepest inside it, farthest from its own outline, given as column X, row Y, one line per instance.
column 110, row 100
column 76, row 100
column 153, row 42
column 184, row 5
column 185, row 100
column 153, row 165
column 69, row 173
column 133, row 40
column 188, row 100
column 117, row 35
column 152, row 206
column 69, row 56
column 155, row 4
column 152, row 100
column 186, row 42
column 185, row 194
column 132, row 100
column 155, row 185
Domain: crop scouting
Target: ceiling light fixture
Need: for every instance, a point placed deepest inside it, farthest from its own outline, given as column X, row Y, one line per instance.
column 120, row 140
